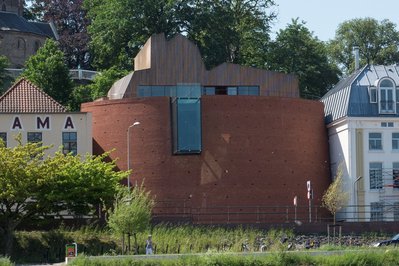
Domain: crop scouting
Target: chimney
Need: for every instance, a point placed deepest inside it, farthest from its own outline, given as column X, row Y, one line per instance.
column 357, row 57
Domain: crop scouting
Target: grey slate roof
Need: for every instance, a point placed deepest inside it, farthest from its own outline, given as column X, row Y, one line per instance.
column 350, row 97
column 13, row 22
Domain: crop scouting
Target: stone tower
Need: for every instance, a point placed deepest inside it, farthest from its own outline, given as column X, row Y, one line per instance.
column 12, row 6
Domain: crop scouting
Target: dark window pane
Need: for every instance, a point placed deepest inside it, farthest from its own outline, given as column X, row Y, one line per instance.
column 69, row 142
column 187, row 125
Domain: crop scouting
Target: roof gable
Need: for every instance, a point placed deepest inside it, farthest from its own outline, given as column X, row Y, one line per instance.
column 350, row 97
column 24, row 97
column 13, row 22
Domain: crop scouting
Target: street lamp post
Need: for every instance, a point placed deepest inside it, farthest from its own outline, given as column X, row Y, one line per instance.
column 128, row 151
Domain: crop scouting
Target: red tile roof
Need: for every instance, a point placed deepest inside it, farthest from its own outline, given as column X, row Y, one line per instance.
column 24, row 97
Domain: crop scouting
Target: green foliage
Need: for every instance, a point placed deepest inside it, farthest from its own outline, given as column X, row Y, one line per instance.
column 388, row 257
column 378, row 43
column 80, row 94
column 225, row 31
column 34, row 184
column 235, row 31
column 335, row 198
column 47, row 70
column 297, row 51
column 49, row 246
column 119, row 28
column 132, row 211
column 5, row 262
column 5, row 79
column 103, row 82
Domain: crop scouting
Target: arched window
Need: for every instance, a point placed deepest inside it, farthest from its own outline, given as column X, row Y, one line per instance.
column 37, row 46
column 387, row 99
column 21, row 44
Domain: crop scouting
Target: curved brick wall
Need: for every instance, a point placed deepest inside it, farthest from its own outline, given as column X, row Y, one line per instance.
column 256, row 151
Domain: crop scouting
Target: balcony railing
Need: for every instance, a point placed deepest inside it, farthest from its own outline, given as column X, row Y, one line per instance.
column 75, row 73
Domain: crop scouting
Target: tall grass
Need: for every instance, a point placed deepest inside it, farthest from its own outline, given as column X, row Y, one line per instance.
column 381, row 257
column 189, row 239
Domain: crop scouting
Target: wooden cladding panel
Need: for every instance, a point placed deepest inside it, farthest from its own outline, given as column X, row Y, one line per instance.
column 179, row 61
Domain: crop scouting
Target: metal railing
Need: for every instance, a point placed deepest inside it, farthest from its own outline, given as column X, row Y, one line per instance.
column 270, row 214
column 78, row 74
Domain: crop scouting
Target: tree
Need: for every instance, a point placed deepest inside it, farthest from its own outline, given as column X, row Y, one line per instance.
column 335, row 198
column 104, row 80
column 47, row 70
column 5, row 79
column 378, row 43
column 235, row 31
column 34, row 184
column 120, row 27
column 225, row 31
column 71, row 23
column 131, row 213
column 297, row 51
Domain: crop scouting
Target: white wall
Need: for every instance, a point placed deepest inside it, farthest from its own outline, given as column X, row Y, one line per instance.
column 51, row 126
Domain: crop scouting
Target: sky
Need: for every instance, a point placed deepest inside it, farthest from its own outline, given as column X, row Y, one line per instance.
column 322, row 17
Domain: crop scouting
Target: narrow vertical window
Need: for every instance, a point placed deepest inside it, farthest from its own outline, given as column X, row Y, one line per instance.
column 375, row 141
column 395, row 174
column 387, row 97
column 395, row 141
column 69, row 143
column 186, row 125
column 373, row 94
column 375, row 173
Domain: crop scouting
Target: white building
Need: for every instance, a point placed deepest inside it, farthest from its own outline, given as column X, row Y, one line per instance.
column 28, row 110
column 362, row 117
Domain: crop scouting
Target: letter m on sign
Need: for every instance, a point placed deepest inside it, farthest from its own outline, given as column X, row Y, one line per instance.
column 43, row 124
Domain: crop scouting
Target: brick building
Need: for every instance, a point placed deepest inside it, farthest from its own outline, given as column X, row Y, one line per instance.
column 229, row 144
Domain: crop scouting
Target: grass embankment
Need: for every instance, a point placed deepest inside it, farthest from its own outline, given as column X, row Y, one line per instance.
column 374, row 257
column 45, row 247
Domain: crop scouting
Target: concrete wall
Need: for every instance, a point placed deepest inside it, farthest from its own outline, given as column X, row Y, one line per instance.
column 256, row 151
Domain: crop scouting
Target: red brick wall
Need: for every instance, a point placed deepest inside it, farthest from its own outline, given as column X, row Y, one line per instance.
column 256, row 151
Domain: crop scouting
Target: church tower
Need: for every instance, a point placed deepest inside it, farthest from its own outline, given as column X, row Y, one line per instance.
column 12, row 6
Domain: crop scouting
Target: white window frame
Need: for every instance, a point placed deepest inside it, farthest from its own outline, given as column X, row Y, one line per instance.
column 375, row 176
column 395, row 140
column 383, row 93
column 375, row 141
column 371, row 90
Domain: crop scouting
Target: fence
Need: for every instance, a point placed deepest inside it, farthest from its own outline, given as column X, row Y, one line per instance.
column 277, row 214
column 74, row 73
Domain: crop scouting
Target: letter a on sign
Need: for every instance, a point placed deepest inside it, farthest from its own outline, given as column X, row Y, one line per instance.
column 69, row 123
column 16, row 125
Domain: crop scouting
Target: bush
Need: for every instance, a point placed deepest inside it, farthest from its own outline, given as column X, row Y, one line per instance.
column 5, row 262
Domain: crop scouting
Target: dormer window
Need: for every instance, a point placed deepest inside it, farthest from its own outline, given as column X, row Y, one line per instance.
column 373, row 94
column 387, row 96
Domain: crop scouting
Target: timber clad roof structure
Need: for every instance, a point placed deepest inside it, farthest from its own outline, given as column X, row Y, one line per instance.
column 25, row 97
column 176, row 61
